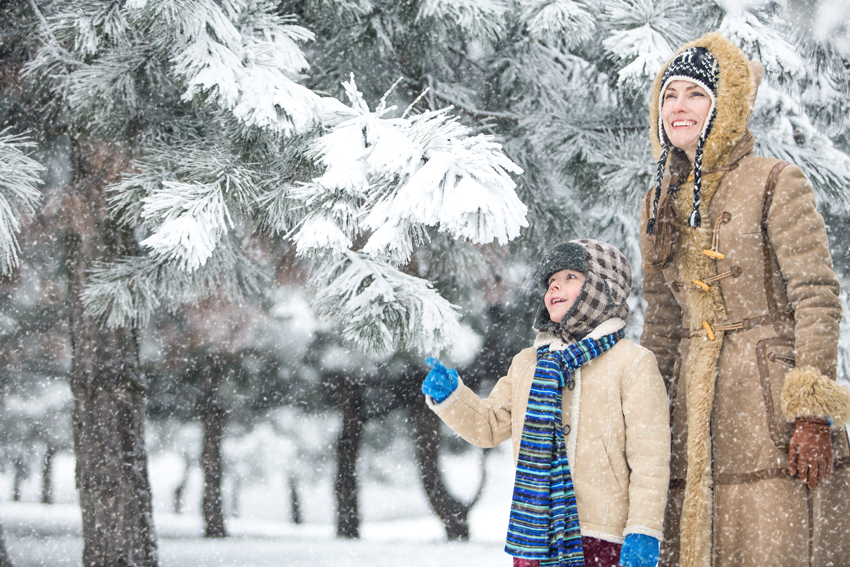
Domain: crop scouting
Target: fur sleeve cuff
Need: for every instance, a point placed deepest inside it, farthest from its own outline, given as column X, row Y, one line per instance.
column 441, row 406
column 807, row 392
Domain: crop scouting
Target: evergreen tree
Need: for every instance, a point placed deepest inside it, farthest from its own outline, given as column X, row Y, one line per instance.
column 207, row 129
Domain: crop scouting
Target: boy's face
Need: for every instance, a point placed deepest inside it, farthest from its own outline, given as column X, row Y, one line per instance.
column 564, row 287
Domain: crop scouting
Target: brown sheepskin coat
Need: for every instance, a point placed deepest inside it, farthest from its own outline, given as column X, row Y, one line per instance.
column 771, row 303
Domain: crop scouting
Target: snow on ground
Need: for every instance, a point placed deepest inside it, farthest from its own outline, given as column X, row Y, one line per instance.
column 397, row 527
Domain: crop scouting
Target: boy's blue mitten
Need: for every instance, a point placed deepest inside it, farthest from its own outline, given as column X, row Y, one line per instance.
column 440, row 382
column 639, row 550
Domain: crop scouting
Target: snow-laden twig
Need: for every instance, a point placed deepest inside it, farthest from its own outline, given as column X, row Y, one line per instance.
column 377, row 308
column 20, row 176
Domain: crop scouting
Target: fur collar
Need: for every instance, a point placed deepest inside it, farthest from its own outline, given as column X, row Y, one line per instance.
column 555, row 342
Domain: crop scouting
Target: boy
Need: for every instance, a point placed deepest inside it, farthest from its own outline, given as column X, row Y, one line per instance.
column 587, row 412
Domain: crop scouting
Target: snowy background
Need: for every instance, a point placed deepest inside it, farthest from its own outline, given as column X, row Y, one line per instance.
column 398, row 526
column 285, row 206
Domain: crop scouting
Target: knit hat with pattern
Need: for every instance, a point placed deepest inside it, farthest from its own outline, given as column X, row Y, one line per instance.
column 608, row 280
column 696, row 65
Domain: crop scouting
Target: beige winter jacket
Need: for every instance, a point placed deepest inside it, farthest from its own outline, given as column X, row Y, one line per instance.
column 616, row 426
column 746, row 339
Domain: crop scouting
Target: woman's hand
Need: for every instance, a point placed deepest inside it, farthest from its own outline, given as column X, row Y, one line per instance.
column 810, row 453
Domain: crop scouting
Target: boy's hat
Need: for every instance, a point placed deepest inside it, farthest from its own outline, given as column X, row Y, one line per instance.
column 608, row 281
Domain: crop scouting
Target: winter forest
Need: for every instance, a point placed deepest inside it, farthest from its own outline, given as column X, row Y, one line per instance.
column 231, row 231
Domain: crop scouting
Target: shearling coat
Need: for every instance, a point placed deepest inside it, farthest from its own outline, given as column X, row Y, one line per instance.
column 747, row 341
column 615, row 424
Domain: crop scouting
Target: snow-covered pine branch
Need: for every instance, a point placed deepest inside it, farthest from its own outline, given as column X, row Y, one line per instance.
column 386, row 180
column 643, row 36
column 379, row 309
column 20, row 176
column 766, row 44
column 784, row 131
column 188, row 196
column 476, row 18
column 128, row 292
column 556, row 21
column 249, row 70
column 394, row 176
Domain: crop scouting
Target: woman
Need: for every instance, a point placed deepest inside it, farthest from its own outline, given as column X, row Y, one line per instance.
column 743, row 316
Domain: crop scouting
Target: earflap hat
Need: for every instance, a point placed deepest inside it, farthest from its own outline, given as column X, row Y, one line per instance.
column 697, row 65
column 608, row 281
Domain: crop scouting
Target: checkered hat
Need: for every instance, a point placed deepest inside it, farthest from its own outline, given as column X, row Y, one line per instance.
column 603, row 296
column 696, row 65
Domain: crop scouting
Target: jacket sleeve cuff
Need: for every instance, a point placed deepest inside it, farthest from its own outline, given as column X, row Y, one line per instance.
column 645, row 531
column 807, row 392
column 440, row 406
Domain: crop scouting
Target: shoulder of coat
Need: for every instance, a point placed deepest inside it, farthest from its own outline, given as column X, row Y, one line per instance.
column 525, row 357
column 628, row 350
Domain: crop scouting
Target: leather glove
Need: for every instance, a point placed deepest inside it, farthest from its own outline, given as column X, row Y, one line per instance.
column 810, row 453
column 639, row 550
column 440, row 382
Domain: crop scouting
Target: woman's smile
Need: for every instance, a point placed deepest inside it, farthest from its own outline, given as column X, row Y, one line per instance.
column 684, row 110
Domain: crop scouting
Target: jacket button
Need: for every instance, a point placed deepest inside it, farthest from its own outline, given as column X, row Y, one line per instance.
column 567, row 429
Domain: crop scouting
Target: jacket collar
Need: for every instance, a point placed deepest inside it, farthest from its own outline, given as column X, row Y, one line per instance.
column 555, row 343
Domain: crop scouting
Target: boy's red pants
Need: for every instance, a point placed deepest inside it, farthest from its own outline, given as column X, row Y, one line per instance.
column 597, row 553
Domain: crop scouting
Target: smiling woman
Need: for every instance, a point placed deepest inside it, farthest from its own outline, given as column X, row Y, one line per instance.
column 742, row 314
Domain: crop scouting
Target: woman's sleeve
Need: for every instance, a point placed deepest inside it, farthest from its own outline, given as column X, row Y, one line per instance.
column 797, row 235
column 662, row 319
column 483, row 422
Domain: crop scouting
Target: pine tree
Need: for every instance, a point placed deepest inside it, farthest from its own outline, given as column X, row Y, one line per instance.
column 200, row 104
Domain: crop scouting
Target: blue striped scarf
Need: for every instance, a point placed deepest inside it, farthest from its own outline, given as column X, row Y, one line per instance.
column 544, row 520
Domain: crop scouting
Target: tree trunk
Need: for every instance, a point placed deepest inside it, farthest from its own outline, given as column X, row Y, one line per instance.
column 5, row 560
column 351, row 401
column 108, row 387
column 451, row 511
column 214, row 415
column 20, row 475
column 294, row 501
column 178, row 492
column 47, row 474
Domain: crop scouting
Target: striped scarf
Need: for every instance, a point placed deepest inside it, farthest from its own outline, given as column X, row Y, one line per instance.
column 544, row 519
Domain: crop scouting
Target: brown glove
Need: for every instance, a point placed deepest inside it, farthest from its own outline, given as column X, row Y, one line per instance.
column 810, row 453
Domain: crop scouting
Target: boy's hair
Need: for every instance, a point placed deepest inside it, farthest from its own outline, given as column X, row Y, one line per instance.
column 608, row 281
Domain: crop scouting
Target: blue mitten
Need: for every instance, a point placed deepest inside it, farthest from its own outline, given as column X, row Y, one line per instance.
column 440, row 382
column 639, row 550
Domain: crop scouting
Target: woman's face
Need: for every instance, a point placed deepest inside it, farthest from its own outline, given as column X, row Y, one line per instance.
column 684, row 110
column 564, row 287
